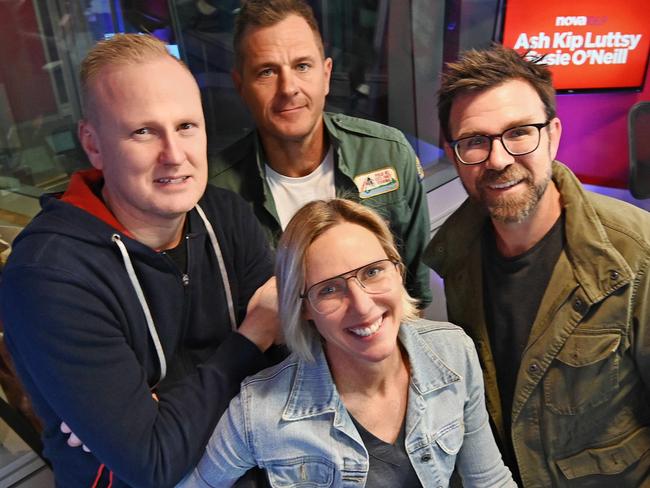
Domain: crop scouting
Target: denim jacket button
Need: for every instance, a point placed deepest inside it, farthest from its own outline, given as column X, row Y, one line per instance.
column 425, row 458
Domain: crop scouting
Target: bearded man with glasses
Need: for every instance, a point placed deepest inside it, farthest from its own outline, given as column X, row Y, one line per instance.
column 550, row 281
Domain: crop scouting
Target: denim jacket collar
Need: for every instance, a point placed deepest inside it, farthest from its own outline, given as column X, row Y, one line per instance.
column 313, row 391
column 428, row 372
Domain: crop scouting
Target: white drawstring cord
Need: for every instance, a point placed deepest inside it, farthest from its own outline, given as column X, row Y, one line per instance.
column 143, row 303
column 222, row 267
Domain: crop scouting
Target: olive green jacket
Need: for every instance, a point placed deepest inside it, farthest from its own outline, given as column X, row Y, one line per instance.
column 363, row 149
column 581, row 409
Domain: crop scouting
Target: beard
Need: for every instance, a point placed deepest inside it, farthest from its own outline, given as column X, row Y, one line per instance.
column 511, row 209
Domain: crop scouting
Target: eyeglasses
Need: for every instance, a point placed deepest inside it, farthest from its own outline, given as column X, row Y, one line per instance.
column 517, row 141
column 327, row 296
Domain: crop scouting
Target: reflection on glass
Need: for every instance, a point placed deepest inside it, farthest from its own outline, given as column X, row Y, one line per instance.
column 386, row 57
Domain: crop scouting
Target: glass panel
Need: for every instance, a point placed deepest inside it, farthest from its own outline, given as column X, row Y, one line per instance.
column 39, row 90
column 387, row 59
column 39, row 103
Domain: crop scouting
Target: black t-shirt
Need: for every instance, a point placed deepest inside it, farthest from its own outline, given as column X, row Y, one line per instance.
column 178, row 254
column 513, row 290
column 389, row 463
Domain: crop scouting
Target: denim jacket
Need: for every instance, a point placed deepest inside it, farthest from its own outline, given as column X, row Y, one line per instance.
column 290, row 420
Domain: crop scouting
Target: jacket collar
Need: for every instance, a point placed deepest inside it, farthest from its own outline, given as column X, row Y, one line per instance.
column 314, row 393
column 428, row 372
column 592, row 255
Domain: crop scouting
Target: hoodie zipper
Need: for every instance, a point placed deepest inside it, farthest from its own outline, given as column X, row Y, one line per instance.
column 186, row 276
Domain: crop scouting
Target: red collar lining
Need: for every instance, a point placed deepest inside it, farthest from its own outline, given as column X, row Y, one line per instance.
column 80, row 194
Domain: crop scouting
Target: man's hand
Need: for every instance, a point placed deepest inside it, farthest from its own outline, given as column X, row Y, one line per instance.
column 262, row 323
column 73, row 440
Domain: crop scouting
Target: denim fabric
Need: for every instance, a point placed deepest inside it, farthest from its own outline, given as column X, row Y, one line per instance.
column 290, row 420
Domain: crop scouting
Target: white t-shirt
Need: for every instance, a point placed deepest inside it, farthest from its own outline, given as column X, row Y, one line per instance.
column 290, row 194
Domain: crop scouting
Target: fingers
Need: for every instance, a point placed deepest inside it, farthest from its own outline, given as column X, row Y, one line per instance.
column 73, row 440
column 265, row 295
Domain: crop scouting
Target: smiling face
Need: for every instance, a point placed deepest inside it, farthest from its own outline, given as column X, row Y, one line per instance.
column 147, row 135
column 283, row 79
column 509, row 187
column 364, row 329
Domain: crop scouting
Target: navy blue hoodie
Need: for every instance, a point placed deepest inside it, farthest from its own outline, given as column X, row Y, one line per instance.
column 80, row 342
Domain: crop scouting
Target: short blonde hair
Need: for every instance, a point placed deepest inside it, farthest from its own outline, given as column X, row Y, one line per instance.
column 305, row 227
column 119, row 50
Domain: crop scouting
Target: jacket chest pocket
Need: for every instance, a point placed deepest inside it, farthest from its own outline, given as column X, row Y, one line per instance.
column 584, row 374
column 301, row 472
column 439, row 450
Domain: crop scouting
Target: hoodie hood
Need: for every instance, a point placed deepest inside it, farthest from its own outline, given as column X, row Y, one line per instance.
column 83, row 192
column 81, row 214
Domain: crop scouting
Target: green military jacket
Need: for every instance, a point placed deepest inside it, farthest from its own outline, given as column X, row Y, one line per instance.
column 375, row 165
column 581, row 408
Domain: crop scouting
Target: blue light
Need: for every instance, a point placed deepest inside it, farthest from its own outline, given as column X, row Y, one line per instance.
column 171, row 48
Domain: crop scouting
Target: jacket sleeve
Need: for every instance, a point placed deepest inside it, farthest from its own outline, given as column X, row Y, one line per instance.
column 479, row 462
column 417, row 232
column 228, row 455
column 641, row 322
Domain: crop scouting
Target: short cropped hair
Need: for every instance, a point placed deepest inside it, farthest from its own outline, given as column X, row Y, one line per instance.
column 478, row 70
column 119, row 50
column 309, row 223
column 266, row 13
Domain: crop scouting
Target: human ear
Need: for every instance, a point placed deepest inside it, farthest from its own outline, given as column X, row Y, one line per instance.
column 554, row 135
column 89, row 139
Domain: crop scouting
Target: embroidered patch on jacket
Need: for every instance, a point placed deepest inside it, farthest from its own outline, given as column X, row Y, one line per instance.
column 377, row 182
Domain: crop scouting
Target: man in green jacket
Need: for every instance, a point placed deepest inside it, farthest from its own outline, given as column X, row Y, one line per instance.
column 551, row 281
column 298, row 153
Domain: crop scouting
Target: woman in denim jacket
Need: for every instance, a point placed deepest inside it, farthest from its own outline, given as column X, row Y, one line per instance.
column 371, row 396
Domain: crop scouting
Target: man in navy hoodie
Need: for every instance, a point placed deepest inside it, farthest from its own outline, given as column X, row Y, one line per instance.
column 125, row 299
